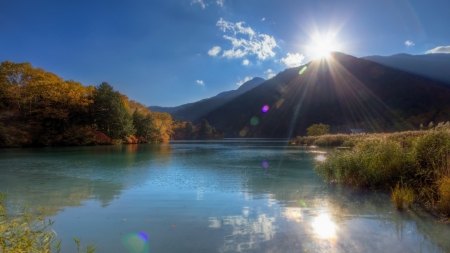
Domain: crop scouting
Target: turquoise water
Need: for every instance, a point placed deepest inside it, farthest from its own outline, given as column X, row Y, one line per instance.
column 209, row 196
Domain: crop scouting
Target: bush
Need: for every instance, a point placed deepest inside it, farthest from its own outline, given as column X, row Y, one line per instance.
column 318, row 129
column 101, row 138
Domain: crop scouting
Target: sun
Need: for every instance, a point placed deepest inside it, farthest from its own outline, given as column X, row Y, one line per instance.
column 322, row 46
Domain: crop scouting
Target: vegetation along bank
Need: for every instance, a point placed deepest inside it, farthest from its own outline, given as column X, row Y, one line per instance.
column 413, row 165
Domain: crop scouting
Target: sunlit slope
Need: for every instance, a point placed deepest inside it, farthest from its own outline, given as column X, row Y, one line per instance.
column 343, row 91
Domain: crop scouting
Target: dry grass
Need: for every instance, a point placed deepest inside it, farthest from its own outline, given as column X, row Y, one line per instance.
column 420, row 159
column 402, row 196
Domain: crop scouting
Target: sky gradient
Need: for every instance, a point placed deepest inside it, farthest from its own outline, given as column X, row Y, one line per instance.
column 171, row 52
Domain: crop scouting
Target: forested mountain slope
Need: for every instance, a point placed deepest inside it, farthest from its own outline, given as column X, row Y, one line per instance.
column 194, row 111
column 433, row 66
column 343, row 91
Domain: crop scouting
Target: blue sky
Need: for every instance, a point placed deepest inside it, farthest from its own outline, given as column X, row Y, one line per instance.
column 170, row 52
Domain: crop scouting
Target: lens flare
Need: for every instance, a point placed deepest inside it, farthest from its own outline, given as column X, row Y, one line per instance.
column 265, row 164
column 136, row 243
column 302, row 70
column 243, row 132
column 265, row 108
column 279, row 103
column 254, row 121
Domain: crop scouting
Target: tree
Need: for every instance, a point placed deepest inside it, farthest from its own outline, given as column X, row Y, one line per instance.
column 163, row 122
column 189, row 131
column 110, row 113
column 204, row 131
column 145, row 126
column 318, row 129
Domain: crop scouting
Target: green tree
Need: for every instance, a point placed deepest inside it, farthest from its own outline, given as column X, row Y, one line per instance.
column 145, row 126
column 110, row 113
column 204, row 131
column 189, row 131
column 318, row 129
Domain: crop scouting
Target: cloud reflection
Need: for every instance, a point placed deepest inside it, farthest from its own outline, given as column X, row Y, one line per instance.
column 246, row 233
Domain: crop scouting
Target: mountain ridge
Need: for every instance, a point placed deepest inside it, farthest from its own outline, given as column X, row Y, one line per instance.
column 433, row 66
column 193, row 111
column 344, row 92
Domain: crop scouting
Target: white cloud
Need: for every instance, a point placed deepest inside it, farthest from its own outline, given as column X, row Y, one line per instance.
column 220, row 2
column 245, row 62
column 235, row 28
column 200, row 82
column 214, row 51
column 263, row 19
column 293, row 60
column 248, row 43
column 269, row 73
column 439, row 50
column 246, row 79
column 202, row 4
column 409, row 43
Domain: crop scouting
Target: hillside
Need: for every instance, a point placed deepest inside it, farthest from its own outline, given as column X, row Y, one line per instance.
column 344, row 92
column 194, row 111
column 433, row 66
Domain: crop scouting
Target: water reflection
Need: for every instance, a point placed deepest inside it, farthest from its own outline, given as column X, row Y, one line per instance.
column 294, row 214
column 324, row 227
column 212, row 196
column 245, row 233
column 320, row 158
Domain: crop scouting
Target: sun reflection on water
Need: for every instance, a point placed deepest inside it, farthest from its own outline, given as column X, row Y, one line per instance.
column 324, row 227
column 320, row 158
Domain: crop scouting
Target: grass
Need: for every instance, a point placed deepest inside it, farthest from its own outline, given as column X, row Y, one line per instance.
column 401, row 196
column 29, row 231
column 417, row 159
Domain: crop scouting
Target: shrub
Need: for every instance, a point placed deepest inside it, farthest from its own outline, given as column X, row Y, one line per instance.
column 101, row 138
column 318, row 129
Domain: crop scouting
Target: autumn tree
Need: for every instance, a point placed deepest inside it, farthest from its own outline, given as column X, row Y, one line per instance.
column 318, row 129
column 163, row 122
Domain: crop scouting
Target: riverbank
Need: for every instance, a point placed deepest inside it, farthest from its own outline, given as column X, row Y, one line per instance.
column 413, row 165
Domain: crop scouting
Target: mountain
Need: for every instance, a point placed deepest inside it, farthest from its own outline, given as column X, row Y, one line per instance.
column 194, row 111
column 344, row 92
column 169, row 110
column 433, row 66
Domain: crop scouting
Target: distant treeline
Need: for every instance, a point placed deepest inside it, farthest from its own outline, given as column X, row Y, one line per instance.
column 38, row 108
column 187, row 131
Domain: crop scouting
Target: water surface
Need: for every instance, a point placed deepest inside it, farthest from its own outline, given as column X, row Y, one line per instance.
column 210, row 196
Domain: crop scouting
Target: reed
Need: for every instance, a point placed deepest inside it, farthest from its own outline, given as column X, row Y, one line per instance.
column 30, row 231
column 418, row 159
column 401, row 196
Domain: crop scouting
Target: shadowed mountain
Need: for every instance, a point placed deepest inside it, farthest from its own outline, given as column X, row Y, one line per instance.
column 343, row 91
column 195, row 111
column 433, row 66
